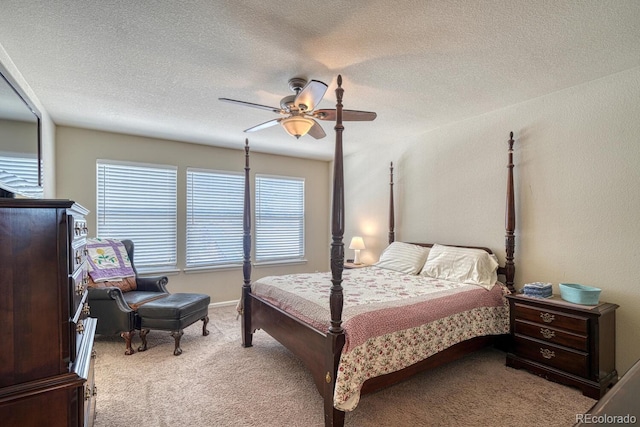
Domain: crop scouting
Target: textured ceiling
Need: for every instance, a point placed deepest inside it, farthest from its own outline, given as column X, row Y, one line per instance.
column 157, row 68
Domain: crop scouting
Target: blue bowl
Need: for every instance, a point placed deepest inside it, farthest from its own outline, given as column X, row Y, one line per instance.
column 579, row 294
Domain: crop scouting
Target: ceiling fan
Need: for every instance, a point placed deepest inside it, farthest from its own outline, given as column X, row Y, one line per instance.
column 299, row 110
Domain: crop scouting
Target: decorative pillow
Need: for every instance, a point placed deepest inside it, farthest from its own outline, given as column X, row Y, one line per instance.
column 463, row 265
column 127, row 284
column 108, row 260
column 403, row 257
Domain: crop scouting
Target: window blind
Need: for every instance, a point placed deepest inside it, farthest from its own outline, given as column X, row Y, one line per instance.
column 139, row 202
column 214, row 218
column 279, row 218
column 20, row 172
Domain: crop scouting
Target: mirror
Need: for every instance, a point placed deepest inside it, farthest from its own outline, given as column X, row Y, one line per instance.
column 20, row 150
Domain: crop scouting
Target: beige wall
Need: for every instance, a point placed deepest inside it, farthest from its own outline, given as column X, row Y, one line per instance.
column 78, row 149
column 577, row 157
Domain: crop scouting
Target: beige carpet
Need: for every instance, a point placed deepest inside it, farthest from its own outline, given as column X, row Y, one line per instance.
column 217, row 382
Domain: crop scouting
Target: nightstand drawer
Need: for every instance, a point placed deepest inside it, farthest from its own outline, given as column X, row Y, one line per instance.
column 575, row 362
column 552, row 335
column 552, row 318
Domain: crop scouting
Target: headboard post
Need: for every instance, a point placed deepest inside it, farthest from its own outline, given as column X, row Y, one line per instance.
column 337, row 222
column 510, row 222
column 246, row 246
column 392, row 233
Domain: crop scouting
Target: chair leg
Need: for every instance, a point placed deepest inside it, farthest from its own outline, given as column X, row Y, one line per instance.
column 143, row 337
column 176, row 336
column 127, row 340
column 205, row 320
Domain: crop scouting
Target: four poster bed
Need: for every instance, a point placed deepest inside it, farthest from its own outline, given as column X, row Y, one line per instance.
column 401, row 317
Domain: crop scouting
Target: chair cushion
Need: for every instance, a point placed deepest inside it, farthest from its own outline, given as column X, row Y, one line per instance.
column 137, row 298
column 127, row 284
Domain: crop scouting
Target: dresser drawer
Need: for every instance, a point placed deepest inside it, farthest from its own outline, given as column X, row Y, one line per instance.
column 78, row 227
column 90, row 392
column 84, row 368
column 78, row 327
column 78, row 283
column 572, row 361
column 552, row 318
column 78, row 254
column 552, row 335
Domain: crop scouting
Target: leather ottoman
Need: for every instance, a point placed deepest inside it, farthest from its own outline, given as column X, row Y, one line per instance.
column 173, row 313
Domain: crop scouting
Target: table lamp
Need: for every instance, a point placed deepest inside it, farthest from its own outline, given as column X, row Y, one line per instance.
column 356, row 244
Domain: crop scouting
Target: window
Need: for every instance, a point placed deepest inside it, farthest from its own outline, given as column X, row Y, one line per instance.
column 20, row 172
column 138, row 202
column 215, row 207
column 279, row 218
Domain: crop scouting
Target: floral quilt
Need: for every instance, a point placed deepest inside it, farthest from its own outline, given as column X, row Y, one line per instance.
column 391, row 320
column 108, row 260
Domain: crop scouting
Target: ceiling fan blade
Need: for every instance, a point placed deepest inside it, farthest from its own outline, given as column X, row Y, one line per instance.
column 264, row 125
column 310, row 95
column 347, row 115
column 251, row 104
column 316, row 131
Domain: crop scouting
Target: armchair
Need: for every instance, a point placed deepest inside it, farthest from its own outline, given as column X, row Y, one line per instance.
column 116, row 311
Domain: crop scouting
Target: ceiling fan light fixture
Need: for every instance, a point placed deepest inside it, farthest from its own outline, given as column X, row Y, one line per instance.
column 297, row 125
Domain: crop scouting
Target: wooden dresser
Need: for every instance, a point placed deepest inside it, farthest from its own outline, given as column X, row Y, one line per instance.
column 568, row 343
column 47, row 357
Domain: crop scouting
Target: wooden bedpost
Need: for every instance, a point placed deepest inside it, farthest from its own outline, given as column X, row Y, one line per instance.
column 247, row 333
column 335, row 335
column 392, row 221
column 337, row 222
column 510, row 222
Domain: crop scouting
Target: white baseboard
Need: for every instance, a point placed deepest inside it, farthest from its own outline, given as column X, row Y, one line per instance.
column 223, row 304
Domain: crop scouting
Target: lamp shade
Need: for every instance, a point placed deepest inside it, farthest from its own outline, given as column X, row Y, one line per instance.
column 356, row 243
column 297, row 125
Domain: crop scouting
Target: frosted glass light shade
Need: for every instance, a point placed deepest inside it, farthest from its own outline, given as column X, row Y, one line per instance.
column 297, row 125
column 357, row 243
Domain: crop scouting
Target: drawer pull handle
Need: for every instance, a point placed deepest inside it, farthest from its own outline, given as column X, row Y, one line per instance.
column 547, row 333
column 85, row 309
column 87, row 393
column 80, row 327
column 547, row 317
column 95, row 390
column 547, row 354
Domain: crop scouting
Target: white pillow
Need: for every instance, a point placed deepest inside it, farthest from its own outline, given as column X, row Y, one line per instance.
column 463, row 265
column 403, row 257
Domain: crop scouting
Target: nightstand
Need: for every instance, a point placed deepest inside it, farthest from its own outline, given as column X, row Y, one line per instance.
column 564, row 342
column 349, row 265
